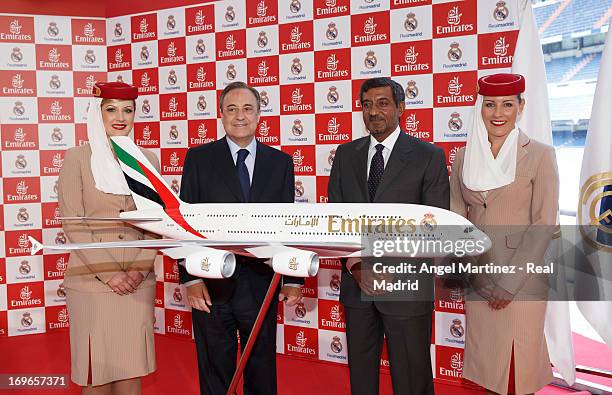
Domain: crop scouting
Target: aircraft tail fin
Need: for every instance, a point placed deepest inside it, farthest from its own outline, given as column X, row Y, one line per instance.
column 149, row 189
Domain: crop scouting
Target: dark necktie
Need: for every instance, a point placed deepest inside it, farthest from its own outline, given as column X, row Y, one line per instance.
column 377, row 168
column 243, row 174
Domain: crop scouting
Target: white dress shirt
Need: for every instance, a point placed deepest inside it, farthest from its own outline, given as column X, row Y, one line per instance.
column 249, row 161
column 389, row 143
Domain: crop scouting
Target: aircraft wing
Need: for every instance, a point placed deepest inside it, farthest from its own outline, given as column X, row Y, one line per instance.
column 114, row 219
column 323, row 249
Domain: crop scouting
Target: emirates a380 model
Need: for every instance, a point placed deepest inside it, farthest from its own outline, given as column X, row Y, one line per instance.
column 292, row 236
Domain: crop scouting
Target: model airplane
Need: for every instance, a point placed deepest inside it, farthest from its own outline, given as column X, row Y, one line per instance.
column 293, row 236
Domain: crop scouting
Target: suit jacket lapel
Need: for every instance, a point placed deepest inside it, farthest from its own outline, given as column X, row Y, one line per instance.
column 227, row 168
column 396, row 162
column 260, row 172
column 360, row 166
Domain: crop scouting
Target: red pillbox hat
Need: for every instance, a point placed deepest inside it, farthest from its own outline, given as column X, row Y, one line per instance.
column 115, row 90
column 501, row 84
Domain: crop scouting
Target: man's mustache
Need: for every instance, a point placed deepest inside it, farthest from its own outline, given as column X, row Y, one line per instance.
column 373, row 119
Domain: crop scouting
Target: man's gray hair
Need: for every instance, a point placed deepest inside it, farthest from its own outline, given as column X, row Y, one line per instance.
column 239, row 85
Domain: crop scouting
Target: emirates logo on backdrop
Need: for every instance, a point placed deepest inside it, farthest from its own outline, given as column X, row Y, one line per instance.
column 460, row 19
column 496, row 50
column 501, row 48
column 412, row 124
column 375, row 29
column 15, row 27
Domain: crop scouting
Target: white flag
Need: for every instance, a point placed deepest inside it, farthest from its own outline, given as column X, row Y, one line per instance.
column 595, row 206
column 535, row 122
column 528, row 61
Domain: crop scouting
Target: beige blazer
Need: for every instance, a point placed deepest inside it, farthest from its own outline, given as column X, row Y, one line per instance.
column 520, row 217
column 89, row 270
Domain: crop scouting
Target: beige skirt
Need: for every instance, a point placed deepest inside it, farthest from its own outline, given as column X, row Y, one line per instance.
column 490, row 337
column 118, row 330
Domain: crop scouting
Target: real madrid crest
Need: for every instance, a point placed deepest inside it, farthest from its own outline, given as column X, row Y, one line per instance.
column 595, row 211
column 336, row 345
column 200, row 47
column 26, row 320
column 265, row 100
column 175, row 186
column 297, row 129
column 53, row 29
column 412, row 91
column 22, row 215
column 411, row 23
column 299, row 189
column 330, row 158
column 332, row 31
column 60, row 238
column 332, row 95
column 262, row 40
column 118, row 30
column 55, row 82
column 456, row 328
column 295, row 6
column 429, row 223
column 370, row 60
column 230, row 14
column 21, row 162
column 24, row 268
column 16, row 55
column 90, row 57
column 296, row 66
column 334, row 283
column 455, row 123
column 500, row 12
column 230, row 73
column 57, row 136
column 300, row 310
column 172, row 78
column 171, row 23
column 18, row 109
column 177, row 295
column 201, row 105
column 144, row 53
column 146, row 106
column 173, row 132
column 454, row 53
column 61, row 291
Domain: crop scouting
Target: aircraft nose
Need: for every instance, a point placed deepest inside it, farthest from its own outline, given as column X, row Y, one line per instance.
column 485, row 241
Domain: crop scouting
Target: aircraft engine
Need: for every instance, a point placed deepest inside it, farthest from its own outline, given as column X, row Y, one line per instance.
column 298, row 263
column 210, row 263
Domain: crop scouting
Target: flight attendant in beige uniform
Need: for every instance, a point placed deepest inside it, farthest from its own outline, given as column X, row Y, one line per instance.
column 507, row 185
column 109, row 293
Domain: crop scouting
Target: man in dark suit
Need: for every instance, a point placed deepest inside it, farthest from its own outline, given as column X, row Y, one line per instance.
column 388, row 166
column 237, row 169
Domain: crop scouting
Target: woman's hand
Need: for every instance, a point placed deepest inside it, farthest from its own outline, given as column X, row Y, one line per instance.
column 482, row 285
column 290, row 295
column 500, row 298
column 136, row 276
column 122, row 284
